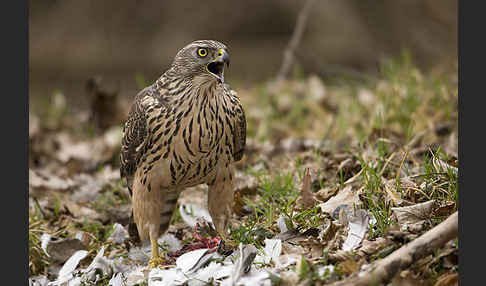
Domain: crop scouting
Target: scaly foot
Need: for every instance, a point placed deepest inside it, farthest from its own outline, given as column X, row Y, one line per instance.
column 155, row 262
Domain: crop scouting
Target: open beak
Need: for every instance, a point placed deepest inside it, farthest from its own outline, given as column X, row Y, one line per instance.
column 216, row 67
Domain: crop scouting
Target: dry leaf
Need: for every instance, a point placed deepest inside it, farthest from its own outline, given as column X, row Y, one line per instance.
column 328, row 231
column 326, row 193
column 81, row 212
column 61, row 250
column 445, row 210
column 413, row 218
column 370, row 247
column 307, row 199
column 345, row 196
column 393, row 195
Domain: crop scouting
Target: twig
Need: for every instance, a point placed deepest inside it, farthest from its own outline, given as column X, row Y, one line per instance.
column 289, row 53
column 384, row 270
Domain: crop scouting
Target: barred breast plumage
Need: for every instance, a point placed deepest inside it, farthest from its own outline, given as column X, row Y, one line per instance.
column 185, row 129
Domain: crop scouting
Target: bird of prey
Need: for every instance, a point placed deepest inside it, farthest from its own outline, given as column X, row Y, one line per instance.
column 185, row 129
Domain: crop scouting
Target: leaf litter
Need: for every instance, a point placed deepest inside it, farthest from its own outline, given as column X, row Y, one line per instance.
column 317, row 202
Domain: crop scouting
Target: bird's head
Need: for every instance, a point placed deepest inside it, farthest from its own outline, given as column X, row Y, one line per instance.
column 204, row 58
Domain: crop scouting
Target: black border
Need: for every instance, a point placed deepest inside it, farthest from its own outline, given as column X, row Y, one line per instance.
column 471, row 143
column 14, row 118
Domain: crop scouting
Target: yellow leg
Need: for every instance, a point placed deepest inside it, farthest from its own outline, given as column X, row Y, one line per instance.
column 220, row 202
column 156, row 260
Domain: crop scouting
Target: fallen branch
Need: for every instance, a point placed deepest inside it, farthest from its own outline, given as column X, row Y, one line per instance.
column 384, row 270
column 289, row 53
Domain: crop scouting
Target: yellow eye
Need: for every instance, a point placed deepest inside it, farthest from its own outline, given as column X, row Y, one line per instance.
column 202, row 52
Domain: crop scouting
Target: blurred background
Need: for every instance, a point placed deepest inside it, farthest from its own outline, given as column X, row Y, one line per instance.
column 131, row 43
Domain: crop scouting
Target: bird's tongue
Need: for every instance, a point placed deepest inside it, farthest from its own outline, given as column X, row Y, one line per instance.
column 217, row 69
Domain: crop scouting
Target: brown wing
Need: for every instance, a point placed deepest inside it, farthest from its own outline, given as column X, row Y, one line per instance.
column 240, row 134
column 135, row 134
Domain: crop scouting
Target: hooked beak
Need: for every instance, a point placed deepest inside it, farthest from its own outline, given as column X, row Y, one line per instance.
column 216, row 67
column 223, row 57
